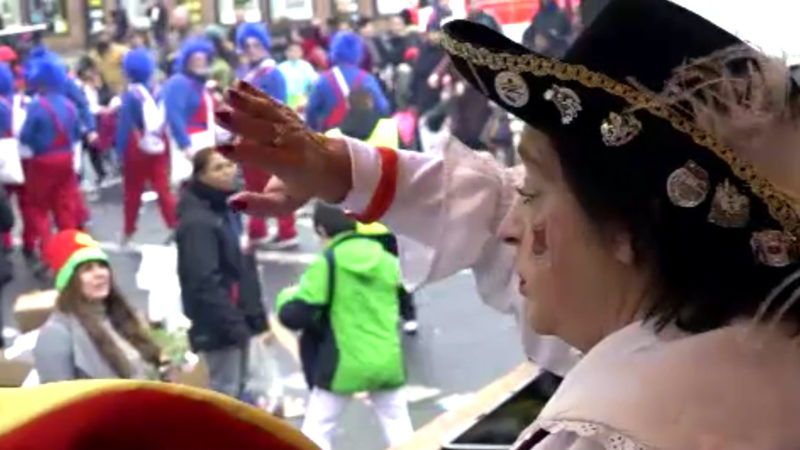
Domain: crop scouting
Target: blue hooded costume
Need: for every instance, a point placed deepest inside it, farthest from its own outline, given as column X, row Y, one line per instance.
column 139, row 66
column 327, row 105
column 183, row 94
column 141, row 167
column 52, row 123
column 262, row 75
column 6, row 99
column 70, row 88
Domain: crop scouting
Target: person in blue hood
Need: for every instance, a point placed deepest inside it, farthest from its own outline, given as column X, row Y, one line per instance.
column 73, row 92
column 51, row 130
column 141, row 144
column 12, row 113
column 252, row 41
column 327, row 104
column 187, row 102
column 86, row 120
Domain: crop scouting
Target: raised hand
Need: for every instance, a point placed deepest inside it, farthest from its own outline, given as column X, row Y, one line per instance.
column 272, row 137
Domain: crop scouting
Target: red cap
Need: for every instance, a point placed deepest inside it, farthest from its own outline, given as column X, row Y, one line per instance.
column 7, row 54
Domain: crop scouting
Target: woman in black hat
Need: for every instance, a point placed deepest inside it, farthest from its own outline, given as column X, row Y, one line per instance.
column 656, row 228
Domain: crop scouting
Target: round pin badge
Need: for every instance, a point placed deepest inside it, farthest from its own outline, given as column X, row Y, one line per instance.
column 688, row 186
column 512, row 89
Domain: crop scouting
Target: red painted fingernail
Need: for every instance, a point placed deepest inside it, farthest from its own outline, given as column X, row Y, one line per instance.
column 234, row 94
column 244, row 85
column 226, row 149
column 223, row 116
column 238, row 204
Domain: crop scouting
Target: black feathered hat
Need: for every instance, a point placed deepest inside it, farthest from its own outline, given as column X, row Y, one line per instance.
column 606, row 93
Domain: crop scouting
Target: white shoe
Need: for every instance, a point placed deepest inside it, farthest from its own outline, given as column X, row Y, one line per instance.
column 9, row 334
column 282, row 244
column 410, row 327
column 125, row 242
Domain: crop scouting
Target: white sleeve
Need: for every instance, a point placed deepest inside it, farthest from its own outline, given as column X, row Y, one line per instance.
column 452, row 206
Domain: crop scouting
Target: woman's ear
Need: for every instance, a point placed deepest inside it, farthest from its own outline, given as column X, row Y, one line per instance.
column 622, row 246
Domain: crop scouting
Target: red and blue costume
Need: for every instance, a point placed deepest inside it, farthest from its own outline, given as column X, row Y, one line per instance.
column 140, row 167
column 9, row 108
column 86, row 120
column 265, row 76
column 186, row 100
column 327, row 104
column 51, row 130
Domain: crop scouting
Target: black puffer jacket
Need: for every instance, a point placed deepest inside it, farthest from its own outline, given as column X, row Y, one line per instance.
column 220, row 288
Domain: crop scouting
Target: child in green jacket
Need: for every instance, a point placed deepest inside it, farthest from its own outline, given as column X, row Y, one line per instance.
column 346, row 306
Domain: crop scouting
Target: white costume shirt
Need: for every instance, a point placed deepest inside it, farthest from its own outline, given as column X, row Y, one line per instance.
column 453, row 205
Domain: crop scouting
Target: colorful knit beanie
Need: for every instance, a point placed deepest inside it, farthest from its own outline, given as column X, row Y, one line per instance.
column 67, row 250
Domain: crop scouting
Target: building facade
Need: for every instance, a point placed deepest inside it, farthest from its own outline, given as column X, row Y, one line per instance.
column 73, row 21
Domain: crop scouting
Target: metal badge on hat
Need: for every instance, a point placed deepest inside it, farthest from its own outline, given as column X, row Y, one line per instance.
column 771, row 247
column 688, row 186
column 567, row 102
column 512, row 89
column 619, row 129
column 729, row 207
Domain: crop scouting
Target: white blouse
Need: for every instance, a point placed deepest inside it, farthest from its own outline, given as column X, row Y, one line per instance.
column 453, row 205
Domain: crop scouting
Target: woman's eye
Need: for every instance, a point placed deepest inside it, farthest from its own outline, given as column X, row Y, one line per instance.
column 527, row 197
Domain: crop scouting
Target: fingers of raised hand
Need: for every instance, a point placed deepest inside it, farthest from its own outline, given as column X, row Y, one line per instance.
column 249, row 127
column 265, row 156
column 256, row 106
column 265, row 204
column 245, row 97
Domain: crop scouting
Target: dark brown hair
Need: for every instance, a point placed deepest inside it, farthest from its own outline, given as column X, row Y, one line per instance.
column 123, row 319
column 201, row 160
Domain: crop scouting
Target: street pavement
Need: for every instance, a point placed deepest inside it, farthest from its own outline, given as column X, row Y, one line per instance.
column 461, row 346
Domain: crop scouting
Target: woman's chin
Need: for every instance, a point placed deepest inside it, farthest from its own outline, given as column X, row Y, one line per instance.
column 537, row 320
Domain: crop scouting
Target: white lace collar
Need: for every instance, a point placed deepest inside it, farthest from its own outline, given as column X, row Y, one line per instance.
column 731, row 388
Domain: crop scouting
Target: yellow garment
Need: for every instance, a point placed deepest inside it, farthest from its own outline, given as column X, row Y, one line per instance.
column 22, row 406
column 372, row 229
column 385, row 134
column 109, row 65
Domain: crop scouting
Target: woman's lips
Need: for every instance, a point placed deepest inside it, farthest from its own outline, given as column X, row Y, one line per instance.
column 521, row 286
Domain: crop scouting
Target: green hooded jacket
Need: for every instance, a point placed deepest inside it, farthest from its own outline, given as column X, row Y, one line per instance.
column 350, row 340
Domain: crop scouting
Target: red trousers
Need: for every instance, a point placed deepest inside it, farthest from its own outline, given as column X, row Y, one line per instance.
column 138, row 169
column 51, row 186
column 28, row 237
column 82, row 214
column 256, row 180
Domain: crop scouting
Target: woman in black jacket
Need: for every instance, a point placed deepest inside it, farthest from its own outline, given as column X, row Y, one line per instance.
column 219, row 284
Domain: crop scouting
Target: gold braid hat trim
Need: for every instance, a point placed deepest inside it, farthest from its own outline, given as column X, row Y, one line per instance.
column 781, row 207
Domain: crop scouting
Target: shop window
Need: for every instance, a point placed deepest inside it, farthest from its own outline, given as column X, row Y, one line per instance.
column 195, row 8
column 51, row 12
column 390, row 7
column 292, row 9
column 345, row 7
column 227, row 9
column 137, row 12
column 10, row 13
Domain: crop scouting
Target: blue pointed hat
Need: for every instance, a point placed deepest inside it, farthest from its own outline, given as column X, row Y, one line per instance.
column 252, row 30
column 138, row 65
column 46, row 72
column 346, row 48
column 189, row 47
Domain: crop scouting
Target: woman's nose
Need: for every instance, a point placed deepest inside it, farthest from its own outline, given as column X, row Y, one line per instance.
column 511, row 227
